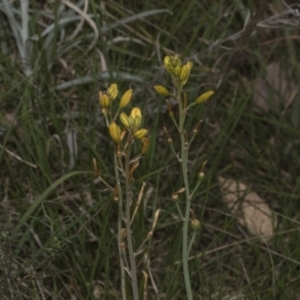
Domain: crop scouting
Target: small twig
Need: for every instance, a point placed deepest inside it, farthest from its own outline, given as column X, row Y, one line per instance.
column 145, row 285
column 138, row 201
column 18, row 157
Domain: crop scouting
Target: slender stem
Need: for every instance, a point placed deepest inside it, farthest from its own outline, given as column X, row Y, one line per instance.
column 179, row 210
column 184, row 156
column 128, row 185
column 120, row 212
column 191, row 242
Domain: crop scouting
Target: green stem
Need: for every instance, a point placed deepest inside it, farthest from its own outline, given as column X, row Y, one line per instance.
column 120, row 212
column 184, row 158
column 128, row 185
column 191, row 242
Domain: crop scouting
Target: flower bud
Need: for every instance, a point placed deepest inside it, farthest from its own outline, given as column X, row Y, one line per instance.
column 137, row 122
column 195, row 224
column 104, row 100
column 204, row 97
column 201, row 175
column 125, row 98
column 168, row 65
column 176, row 71
column 189, row 64
column 115, row 132
column 131, row 122
column 125, row 120
column 112, row 91
column 167, row 61
column 185, row 73
column 140, row 133
column 161, row 90
column 135, row 112
column 175, row 61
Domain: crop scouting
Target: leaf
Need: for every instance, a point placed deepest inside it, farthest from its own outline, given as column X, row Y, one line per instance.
column 251, row 210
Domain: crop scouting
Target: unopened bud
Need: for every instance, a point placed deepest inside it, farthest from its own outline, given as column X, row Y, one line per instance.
column 135, row 112
column 115, row 132
column 204, row 97
column 112, row 91
column 103, row 100
column 125, row 99
column 125, row 120
column 184, row 74
column 161, row 90
column 140, row 133
column 201, row 175
column 195, row 224
column 177, row 71
column 168, row 65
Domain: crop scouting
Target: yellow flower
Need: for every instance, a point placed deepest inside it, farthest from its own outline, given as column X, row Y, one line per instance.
column 204, row 97
column 140, row 133
column 125, row 98
column 112, row 91
column 115, row 133
column 161, row 90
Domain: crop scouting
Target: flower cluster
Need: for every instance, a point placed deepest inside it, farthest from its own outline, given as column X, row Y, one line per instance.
column 132, row 123
column 180, row 74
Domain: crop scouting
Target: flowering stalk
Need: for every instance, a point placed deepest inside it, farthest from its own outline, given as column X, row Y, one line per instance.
column 184, row 159
column 128, row 201
column 180, row 75
column 123, row 140
column 120, row 211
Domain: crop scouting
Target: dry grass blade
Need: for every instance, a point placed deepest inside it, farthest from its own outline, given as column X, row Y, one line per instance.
column 89, row 20
column 252, row 211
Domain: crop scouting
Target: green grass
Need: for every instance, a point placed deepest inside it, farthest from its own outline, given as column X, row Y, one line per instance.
column 59, row 225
